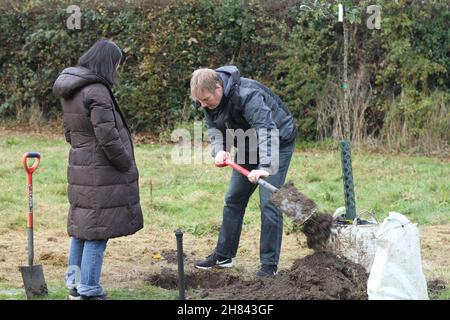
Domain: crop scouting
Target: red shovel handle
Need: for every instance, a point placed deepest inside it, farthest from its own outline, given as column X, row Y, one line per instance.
column 30, row 171
column 26, row 156
column 245, row 172
column 221, row 164
column 235, row 166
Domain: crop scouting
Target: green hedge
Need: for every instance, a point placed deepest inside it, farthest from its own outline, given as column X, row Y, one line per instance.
column 164, row 44
column 293, row 51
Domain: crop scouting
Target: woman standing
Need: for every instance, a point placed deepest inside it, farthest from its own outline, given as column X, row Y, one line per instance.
column 103, row 188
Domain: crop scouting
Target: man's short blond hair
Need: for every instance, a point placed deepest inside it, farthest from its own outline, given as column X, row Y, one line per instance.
column 204, row 79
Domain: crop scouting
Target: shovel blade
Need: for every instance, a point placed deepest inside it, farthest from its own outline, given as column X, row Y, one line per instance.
column 293, row 203
column 33, row 280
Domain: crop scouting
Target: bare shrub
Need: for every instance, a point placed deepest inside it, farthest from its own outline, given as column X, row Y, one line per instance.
column 427, row 131
column 332, row 115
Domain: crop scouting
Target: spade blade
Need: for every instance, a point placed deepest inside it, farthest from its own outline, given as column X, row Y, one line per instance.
column 293, row 203
column 33, row 280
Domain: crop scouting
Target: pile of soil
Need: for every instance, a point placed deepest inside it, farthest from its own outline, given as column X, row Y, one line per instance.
column 320, row 276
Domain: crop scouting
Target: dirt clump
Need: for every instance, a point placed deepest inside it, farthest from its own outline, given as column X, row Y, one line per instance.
column 320, row 276
column 171, row 256
column 53, row 259
column 436, row 286
column 302, row 210
column 317, row 230
column 293, row 203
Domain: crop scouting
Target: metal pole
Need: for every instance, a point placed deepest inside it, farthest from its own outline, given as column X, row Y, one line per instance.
column 347, row 175
column 181, row 289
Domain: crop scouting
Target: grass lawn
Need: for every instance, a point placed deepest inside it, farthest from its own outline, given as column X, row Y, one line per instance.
column 190, row 197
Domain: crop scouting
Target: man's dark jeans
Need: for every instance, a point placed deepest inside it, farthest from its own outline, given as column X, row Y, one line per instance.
column 236, row 200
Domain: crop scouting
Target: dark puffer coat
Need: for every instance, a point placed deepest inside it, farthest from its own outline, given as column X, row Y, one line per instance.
column 102, row 175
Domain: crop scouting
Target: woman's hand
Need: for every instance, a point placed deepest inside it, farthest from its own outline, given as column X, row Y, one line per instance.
column 254, row 175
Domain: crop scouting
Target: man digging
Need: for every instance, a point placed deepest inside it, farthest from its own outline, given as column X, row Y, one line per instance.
column 244, row 113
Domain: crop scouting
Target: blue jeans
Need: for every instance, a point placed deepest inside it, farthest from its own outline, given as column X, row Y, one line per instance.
column 239, row 191
column 85, row 266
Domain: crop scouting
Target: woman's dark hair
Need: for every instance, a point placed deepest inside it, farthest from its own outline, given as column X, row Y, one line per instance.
column 102, row 58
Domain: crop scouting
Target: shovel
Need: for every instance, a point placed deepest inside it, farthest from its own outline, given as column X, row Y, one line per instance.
column 288, row 199
column 32, row 275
